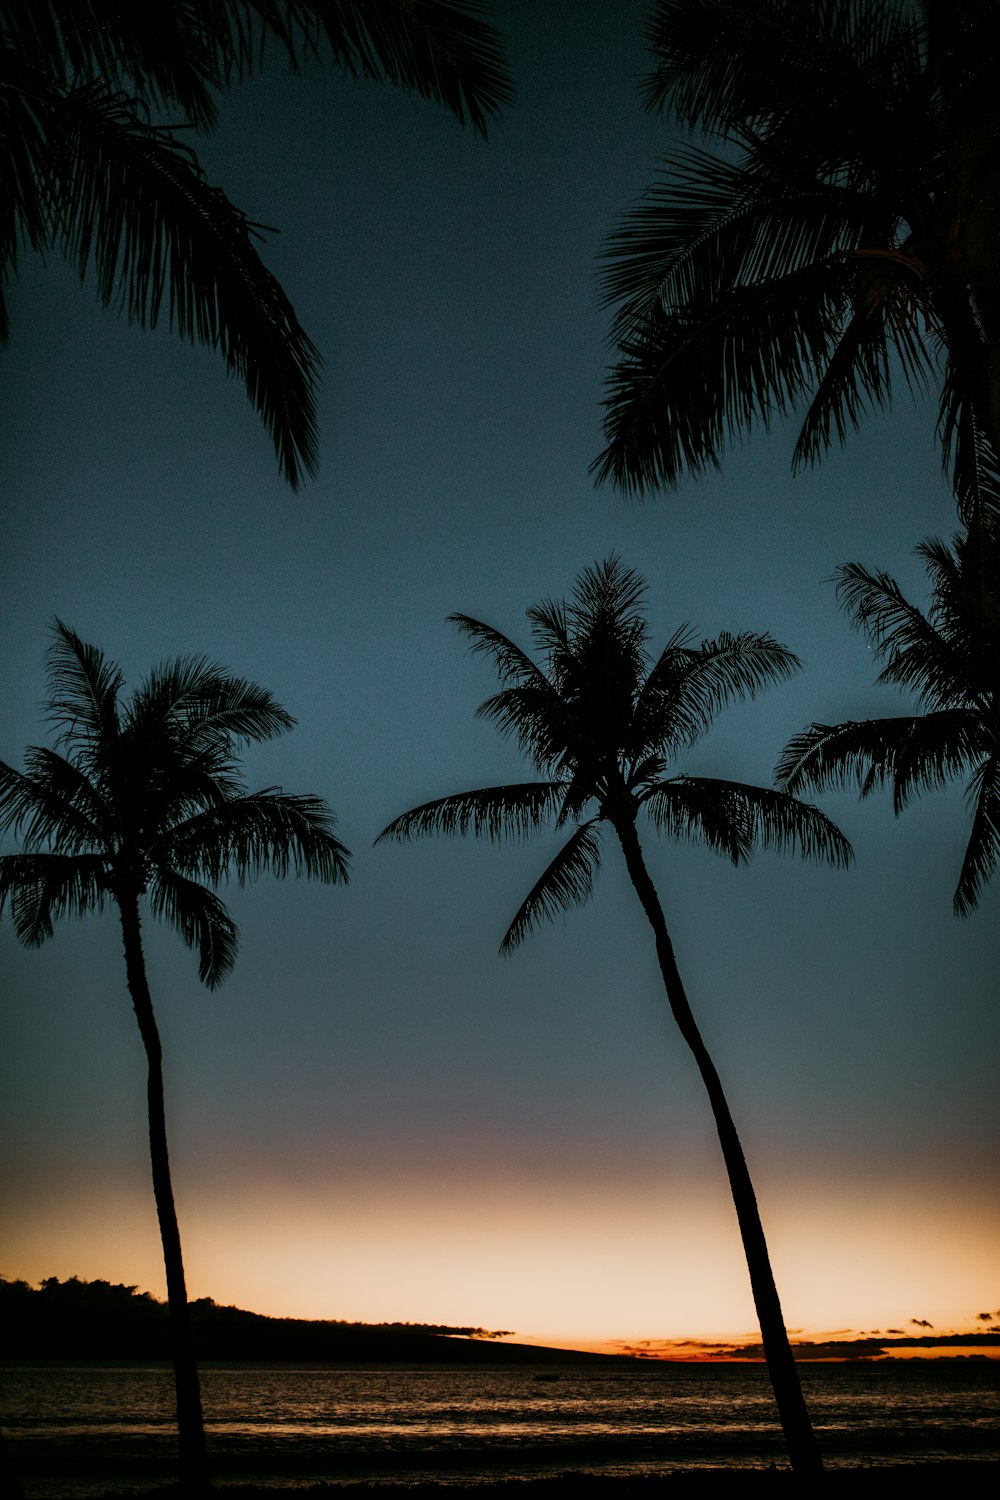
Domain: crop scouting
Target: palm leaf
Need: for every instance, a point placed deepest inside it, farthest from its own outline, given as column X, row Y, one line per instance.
column 983, row 848
column 566, row 882
column 202, row 921
column 443, row 51
column 688, row 687
column 42, row 887
column 132, row 198
column 913, row 753
column 919, row 656
column 690, row 379
column 54, row 806
column 265, row 832
column 495, row 813
column 84, row 688
column 689, row 810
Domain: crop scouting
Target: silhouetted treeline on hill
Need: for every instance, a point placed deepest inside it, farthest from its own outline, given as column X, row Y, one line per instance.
column 96, row 1320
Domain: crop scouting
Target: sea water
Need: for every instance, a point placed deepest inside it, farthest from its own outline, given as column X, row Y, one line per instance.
column 73, row 1430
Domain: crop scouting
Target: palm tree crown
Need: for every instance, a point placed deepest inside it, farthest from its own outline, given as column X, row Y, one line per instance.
column 87, row 170
column 950, row 660
column 603, row 722
column 828, row 249
column 146, row 797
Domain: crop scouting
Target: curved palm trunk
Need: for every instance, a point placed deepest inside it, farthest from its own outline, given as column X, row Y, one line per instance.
column 802, row 1446
column 190, row 1422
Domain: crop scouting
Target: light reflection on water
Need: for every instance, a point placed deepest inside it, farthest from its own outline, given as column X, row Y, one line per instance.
column 74, row 1429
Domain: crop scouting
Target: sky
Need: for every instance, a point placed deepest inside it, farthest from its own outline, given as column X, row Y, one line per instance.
column 377, row 1117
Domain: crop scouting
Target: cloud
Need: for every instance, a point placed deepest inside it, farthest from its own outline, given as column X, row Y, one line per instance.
column 921, row 1323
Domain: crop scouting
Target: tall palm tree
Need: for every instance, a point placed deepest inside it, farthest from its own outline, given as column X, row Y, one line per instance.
column 143, row 801
column 85, row 169
column 601, row 722
column 839, row 240
column 950, row 659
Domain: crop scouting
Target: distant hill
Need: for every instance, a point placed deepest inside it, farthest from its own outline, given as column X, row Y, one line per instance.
column 97, row 1320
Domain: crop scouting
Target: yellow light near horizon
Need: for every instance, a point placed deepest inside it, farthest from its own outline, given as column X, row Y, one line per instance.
column 570, row 1265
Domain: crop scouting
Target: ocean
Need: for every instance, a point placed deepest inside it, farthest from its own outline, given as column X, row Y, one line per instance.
column 74, row 1430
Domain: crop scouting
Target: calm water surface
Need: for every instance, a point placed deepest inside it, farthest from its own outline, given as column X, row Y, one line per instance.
column 74, row 1430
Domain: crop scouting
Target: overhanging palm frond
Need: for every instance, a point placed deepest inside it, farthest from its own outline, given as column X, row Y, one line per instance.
column 267, row 831
column 43, row 887
column 133, row 199
column 443, row 51
column 568, row 881
column 201, row 919
column 496, row 813
column 983, row 849
column 691, row 378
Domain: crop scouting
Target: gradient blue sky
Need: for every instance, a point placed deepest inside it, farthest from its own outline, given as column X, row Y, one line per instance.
column 376, row 1117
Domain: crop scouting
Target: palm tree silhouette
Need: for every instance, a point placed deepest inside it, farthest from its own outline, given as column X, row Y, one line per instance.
column 144, row 800
column 950, row 659
column 842, row 239
column 602, row 723
column 89, row 173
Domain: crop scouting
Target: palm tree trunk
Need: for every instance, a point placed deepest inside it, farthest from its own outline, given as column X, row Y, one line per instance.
column 803, row 1448
column 190, row 1422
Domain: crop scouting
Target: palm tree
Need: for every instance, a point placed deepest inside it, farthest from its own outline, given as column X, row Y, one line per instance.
column 601, row 723
column 143, row 800
column 87, row 171
column 950, row 659
column 840, row 240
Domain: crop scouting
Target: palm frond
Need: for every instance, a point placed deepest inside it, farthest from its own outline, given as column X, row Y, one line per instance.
column 132, row 199
column 890, row 301
column 201, row 919
column 912, row 754
column 689, row 811
column 496, row 813
column 566, row 882
column 920, row 658
column 171, row 52
column 687, row 687
column 83, row 690
column 690, row 379
column 42, row 887
column 269, row 832
column 513, row 666
column 536, row 718
column 54, row 806
column 208, row 705
column 983, row 848
column 442, row 51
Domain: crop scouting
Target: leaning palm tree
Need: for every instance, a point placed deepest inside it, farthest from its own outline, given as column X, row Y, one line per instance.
column 602, row 721
column 950, row 659
column 837, row 239
column 87, row 171
column 143, row 802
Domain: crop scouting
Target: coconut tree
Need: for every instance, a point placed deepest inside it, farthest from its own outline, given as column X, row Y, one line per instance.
column 142, row 804
column 950, row 660
column 88, row 172
column 838, row 240
column 602, row 721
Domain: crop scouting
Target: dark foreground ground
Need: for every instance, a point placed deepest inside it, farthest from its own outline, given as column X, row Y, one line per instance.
column 971, row 1478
